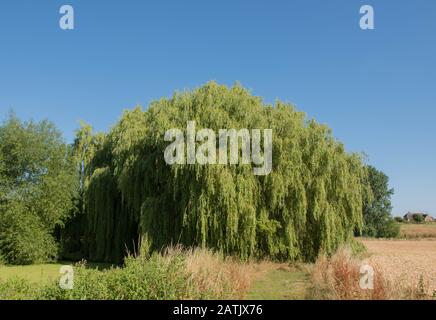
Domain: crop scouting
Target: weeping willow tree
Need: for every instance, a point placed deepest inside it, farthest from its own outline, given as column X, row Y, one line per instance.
column 310, row 202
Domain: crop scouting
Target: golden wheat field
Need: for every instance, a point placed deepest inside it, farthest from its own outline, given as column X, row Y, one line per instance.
column 413, row 231
column 405, row 262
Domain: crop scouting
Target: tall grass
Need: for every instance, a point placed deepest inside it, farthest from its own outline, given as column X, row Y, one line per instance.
column 220, row 277
column 338, row 278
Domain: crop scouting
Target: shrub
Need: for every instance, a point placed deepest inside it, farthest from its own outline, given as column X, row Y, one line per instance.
column 17, row 289
column 140, row 279
column 23, row 238
column 399, row 219
column 418, row 218
column 391, row 229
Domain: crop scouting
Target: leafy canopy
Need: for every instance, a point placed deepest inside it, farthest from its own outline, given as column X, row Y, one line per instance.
column 311, row 202
column 378, row 221
column 37, row 183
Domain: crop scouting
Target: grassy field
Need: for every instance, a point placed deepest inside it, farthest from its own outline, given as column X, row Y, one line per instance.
column 400, row 264
column 413, row 230
column 270, row 281
column 38, row 273
column 41, row 273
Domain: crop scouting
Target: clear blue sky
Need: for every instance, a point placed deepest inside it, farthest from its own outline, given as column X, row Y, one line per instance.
column 376, row 89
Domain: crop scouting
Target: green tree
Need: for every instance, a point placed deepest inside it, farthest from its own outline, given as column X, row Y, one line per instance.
column 418, row 218
column 84, row 148
column 311, row 202
column 378, row 221
column 37, row 184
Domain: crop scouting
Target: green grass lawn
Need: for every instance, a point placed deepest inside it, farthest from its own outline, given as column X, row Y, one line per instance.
column 281, row 284
column 38, row 273
column 41, row 273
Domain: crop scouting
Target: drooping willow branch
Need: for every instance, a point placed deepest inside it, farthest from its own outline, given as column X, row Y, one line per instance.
column 310, row 202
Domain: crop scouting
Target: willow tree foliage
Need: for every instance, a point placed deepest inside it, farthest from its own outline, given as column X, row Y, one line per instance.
column 310, row 202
